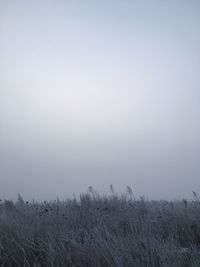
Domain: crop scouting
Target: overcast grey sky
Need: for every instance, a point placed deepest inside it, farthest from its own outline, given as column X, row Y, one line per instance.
column 94, row 93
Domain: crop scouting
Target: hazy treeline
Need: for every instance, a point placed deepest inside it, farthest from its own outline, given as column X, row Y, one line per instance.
column 95, row 230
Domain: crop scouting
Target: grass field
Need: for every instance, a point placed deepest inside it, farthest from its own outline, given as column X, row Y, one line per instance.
column 95, row 230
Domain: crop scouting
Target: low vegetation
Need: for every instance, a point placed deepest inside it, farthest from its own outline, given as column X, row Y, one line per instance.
column 98, row 231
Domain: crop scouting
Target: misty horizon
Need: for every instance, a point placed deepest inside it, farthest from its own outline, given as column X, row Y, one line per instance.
column 99, row 93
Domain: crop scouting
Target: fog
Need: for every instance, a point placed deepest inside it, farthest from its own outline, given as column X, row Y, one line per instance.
column 94, row 93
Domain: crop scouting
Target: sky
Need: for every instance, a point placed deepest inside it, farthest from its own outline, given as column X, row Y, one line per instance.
column 94, row 93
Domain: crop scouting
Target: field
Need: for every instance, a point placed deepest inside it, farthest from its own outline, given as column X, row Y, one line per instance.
column 96, row 230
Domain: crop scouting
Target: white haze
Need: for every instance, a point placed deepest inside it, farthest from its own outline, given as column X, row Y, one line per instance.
column 94, row 93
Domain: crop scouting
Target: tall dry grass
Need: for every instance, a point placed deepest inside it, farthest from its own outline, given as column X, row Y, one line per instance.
column 101, row 231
